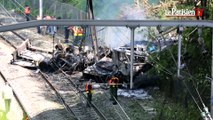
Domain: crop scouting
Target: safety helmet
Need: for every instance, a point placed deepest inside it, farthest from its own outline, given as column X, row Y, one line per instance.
column 114, row 77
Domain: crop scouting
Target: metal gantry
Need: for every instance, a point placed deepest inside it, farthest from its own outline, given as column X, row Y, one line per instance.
column 118, row 23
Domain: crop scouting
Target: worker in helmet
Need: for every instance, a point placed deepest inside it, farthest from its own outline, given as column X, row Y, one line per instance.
column 78, row 36
column 113, row 83
column 89, row 92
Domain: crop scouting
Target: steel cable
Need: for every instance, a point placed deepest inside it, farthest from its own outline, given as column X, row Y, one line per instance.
column 170, row 73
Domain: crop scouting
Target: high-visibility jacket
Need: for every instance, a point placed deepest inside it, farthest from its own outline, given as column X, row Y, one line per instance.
column 27, row 10
column 88, row 87
column 114, row 82
column 78, row 31
column 75, row 30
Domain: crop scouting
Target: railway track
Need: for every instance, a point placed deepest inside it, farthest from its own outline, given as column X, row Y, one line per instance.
column 78, row 111
column 73, row 97
column 13, row 35
column 14, row 46
column 67, row 92
column 101, row 103
column 16, row 38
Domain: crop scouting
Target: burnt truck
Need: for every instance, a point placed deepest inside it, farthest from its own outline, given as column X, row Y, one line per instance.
column 67, row 58
column 119, row 63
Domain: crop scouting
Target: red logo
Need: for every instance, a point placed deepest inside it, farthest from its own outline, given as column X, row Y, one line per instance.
column 199, row 12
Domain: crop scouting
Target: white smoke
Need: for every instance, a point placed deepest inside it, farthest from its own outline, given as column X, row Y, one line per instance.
column 118, row 36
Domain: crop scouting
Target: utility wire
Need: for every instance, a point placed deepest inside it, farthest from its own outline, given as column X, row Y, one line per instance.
column 169, row 49
column 22, row 8
column 170, row 73
column 6, row 11
column 193, row 76
column 189, row 90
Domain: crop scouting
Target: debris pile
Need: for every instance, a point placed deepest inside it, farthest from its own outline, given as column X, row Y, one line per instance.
column 68, row 59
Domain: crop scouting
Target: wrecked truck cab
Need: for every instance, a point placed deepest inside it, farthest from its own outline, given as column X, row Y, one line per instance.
column 99, row 71
column 67, row 58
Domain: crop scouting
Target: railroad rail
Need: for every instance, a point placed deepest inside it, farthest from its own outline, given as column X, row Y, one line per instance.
column 23, row 40
column 117, row 110
column 80, row 111
column 76, row 113
column 10, row 43
column 62, row 100
column 15, row 39
column 12, row 38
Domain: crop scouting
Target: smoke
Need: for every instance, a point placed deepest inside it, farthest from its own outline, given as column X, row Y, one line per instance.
column 118, row 10
column 108, row 9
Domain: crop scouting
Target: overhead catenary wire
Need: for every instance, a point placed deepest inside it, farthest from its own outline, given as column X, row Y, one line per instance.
column 169, row 50
column 189, row 90
column 170, row 73
column 22, row 7
column 192, row 76
column 8, row 13
column 199, row 96
column 18, row 6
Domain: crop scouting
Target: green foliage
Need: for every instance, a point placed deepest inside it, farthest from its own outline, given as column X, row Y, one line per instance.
column 81, row 4
column 173, row 111
column 198, row 66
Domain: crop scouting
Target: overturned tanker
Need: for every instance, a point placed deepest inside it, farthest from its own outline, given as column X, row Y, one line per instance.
column 69, row 59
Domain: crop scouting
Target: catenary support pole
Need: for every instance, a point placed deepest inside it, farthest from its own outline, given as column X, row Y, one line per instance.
column 211, row 101
column 180, row 29
column 132, row 56
column 93, row 28
column 53, row 43
column 41, row 8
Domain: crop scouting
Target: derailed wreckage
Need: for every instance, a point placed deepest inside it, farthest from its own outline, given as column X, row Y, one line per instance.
column 28, row 56
column 119, row 65
column 112, row 62
column 69, row 59
column 65, row 57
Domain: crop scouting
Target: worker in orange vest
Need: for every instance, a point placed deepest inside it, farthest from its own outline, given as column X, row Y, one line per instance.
column 89, row 92
column 78, row 36
column 113, row 83
column 27, row 12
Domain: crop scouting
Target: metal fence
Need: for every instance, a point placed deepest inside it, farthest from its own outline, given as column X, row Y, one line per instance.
column 50, row 7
